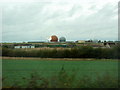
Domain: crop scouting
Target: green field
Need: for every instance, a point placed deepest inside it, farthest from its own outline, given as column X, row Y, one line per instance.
column 14, row 70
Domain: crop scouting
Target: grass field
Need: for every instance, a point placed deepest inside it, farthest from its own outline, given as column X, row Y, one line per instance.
column 15, row 69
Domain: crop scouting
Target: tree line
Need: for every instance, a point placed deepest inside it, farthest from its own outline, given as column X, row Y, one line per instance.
column 78, row 52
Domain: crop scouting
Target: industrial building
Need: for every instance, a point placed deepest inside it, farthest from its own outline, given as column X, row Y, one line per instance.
column 55, row 42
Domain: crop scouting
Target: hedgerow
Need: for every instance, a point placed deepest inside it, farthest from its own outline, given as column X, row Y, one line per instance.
column 79, row 52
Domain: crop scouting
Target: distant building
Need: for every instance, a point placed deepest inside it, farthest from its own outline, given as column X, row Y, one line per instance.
column 95, row 41
column 24, row 46
column 80, row 41
column 109, row 44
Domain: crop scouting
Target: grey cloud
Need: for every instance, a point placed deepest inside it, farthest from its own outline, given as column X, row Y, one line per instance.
column 35, row 22
column 21, row 14
column 99, row 25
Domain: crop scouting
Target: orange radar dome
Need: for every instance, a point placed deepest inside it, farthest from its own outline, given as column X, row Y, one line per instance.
column 54, row 38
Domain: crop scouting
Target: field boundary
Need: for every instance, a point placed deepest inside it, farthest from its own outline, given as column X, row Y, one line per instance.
column 62, row 59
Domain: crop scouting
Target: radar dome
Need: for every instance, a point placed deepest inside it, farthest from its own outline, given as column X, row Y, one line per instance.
column 53, row 38
column 62, row 39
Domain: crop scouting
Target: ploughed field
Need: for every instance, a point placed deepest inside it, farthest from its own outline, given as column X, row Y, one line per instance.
column 15, row 69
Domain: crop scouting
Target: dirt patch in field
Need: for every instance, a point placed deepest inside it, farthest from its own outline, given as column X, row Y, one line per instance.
column 30, row 58
column 65, row 59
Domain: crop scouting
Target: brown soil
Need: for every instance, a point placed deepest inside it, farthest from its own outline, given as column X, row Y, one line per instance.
column 61, row 59
column 30, row 58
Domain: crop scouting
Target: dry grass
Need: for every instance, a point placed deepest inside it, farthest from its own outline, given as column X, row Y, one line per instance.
column 45, row 48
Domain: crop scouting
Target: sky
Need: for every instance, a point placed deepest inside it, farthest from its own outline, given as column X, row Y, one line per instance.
column 37, row 20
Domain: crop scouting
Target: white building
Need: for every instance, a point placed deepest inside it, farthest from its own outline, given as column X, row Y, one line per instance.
column 24, row 46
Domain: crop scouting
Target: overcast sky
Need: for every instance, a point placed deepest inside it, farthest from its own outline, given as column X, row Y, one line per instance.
column 36, row 20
